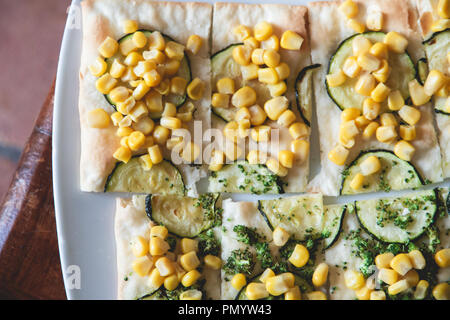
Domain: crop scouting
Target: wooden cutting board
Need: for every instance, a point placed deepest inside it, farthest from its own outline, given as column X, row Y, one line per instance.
column 29, row 257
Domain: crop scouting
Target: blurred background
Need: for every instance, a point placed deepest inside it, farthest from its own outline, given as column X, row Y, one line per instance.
column 31, row 31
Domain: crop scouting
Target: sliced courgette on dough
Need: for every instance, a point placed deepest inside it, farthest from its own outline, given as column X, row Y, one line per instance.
column 303, row 92
column 304, row 286
column 422, row 70
column 436, row 48
column 183, row 216
column 301, row 216
column 333, row 215
column 163, row 178
column 242, row 177
column 345, row 96
column 184, row 71
column 223, row 65
column 399, row 219
column 395, row 174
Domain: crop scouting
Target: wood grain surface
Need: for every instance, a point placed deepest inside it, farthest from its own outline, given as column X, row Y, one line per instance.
column 29, row 257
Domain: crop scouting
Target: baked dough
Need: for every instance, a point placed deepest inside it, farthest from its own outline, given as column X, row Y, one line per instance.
column 282, row 17
column 102, row 18
column 328, row 29
column 427, row 14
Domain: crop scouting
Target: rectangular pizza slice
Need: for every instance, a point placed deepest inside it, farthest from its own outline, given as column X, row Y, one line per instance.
column 279, row 238
column 375, row 123
column 168, row 247
column 261, row 102
column 435, row 26
column 144, row 86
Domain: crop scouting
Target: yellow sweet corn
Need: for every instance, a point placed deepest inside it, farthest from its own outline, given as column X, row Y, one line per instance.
column 395, row 100
column 338, row 155
column 396, row 42
column 275, row 107
column 300, row 148
column 194, row 43
column 262, row 30
column 299, row 256
column 142, row 266
column 238, row 281
column 320, row 275
column 273, row 165
column 291, row 40
column 349, row 8
column 242, row 55
column 442, row 258
column 98, row 68
column 108, row 47
column 353, row 279
column 98, row 118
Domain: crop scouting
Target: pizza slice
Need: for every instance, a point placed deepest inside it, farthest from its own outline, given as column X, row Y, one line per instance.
column 144, row 85
column 435, row 26
column 375, row 123
column 261, row 101
column 168, row 247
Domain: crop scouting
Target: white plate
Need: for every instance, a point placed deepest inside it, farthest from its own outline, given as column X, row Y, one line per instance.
column 85, row 221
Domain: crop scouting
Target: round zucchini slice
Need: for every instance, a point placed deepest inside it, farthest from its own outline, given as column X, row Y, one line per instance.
column 333, row 216
column 183, row 216
column 301, row 216
column 223, row 65
column 395, row 174
column 303, row 92
column 400, row 219
column 436, row 48
column 163, row 178
column 242, row 177
column 345, row 96
column 184, row 71
column 303, row 284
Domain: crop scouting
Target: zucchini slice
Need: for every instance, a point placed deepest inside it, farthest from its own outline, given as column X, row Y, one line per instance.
column 304, row 286
column 422, row 70
column 223, row 65
column 183, row 216
column 163, row 178
column 184, row 71
column 242, row 177
column 333, row 215
column 303, row 92
column 398, row 219
column 395, row 174
column 301, row 216
column 345, row 96
column 436, row 48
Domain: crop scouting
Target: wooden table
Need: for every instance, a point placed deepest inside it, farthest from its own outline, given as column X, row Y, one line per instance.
column 29, row 257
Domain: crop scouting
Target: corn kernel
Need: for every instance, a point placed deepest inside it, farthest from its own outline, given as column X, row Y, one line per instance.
column 273, row 165
column 127, row 46
column 124, row 131
column 136, row 140
column 396, row 42
column 140, row 246
column 256, row 157
column 409, row 114
column 98, row 118
column 249, row 72
column 356, row 25
column 421, row 290
column 377, row 295
column 383, row 73
column 190, row 278
column 268, row 75
column 108, row 47
column 434, row 82
column 272, row 43
column 132, row 59
column 395, row 100
column 271, row 58
column 156, row 41
column 349, row 129
column 440, row 25
column 398, row 287
column 251, row 42
column 187, row 245
column 417, row 259
column 196, row 89
column 277, row 89
column 105, row 83
column 385, row 133
column 144, row 160
column 257, row 56
column 142, row 266
column 275, row 107
column 401, row 263
column 442, row 258
column 357, row 181
column 171, row 282
column 300, row 148
column 299, row 256
column 268, row 273
column 139, row 39
column 262, row 31
column 171, row 67
column 155, row 154
column 242, row 55
column 353, row 279
column 260, row 133
column 375, row 21
column 379, row 50
column 291, row 40
column 361, row 122
column 298, row 130
column 338, row 155
column 417, row 93
column 217, row 160
column 336, row 79
column 388, row 276
column 286, row 118
column 194, row 43
column 293, row 294
column 174, row 50
column 99, row 67
column 388, row 119
column 158, row 246
column 360, row 45
column 320, row 275
column 122, row 154
column 365, row 84
column 363, row 293
column 154, row 55
column 411, row 277
column 443, row 9
column 370, row 165
column 130, row 26
column 238, row 281
column 283, row 71
column 256, row 291
column 368, row 62
column 276, row 286
column 380, row 93
column 280, row 236
column 226, row 86
column 165, row 266
column 349, row 8
column 286, row 158
column 242, row 32
column 213, row 262
column 384, row 260
column 351, row 67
